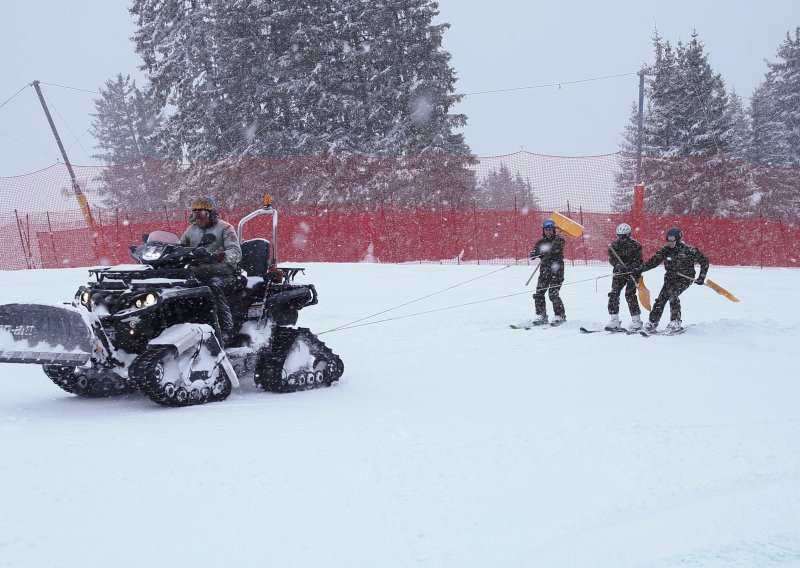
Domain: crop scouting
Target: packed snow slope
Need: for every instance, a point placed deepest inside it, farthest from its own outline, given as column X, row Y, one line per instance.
column 451, row 439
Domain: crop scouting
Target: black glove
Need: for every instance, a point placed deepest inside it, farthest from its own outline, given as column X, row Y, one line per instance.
column 636, row 273
column 202, row 254
column 535, row 254
column 700, row 281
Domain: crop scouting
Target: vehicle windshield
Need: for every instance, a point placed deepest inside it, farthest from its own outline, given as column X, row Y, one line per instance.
column 163, row 238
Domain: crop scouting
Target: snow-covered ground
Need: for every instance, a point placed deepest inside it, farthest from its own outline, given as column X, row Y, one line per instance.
column 451, row 439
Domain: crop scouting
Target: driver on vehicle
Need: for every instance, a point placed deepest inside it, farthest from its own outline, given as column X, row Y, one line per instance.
column 217, row 263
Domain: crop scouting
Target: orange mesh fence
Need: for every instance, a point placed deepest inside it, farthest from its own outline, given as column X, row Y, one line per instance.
column 488, row 210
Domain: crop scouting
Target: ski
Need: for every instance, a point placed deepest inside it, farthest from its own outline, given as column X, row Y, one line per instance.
column 665, row 332
column 555, row 323
column 610, row 331
column 517, row 326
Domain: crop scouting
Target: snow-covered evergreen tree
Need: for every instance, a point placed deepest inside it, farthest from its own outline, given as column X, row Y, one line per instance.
column 775, row 145
column 737, row 140
column 141, row 174
column 690, row 130
column 502, row 190
column 286, row 79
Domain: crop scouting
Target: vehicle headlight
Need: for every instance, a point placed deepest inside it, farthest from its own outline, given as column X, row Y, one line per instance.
column 145, row 301
column 151, row 253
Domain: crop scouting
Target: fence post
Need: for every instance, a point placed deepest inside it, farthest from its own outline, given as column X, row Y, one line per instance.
column 475, row 232
column 515, row 240
column 761, row 233
column 569, row 214
column 583, row 236
column 419, row 233
column 22, row 241
column 52, row 242
column 455, row 232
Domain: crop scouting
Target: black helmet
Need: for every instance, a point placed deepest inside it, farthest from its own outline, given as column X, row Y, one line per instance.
column 675, row 234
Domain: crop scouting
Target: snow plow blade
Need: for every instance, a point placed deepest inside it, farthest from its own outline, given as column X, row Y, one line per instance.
column 34, row 333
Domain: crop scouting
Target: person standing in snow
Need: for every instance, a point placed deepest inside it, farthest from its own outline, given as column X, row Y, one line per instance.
column 550, row 252
column 625, row 255
column 216, row 264
column 679, row 259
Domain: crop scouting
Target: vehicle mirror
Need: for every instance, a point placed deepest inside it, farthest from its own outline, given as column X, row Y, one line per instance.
column 145, row 236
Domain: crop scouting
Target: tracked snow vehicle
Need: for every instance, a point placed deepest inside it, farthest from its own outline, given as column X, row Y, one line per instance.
column 152, row 326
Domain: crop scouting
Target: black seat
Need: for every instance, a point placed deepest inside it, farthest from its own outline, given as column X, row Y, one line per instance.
column 255, row 257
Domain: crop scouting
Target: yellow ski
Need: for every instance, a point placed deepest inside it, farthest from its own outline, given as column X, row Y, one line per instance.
column 566, row 225
column 716, row 287
column 644, row 294
column 720, row 290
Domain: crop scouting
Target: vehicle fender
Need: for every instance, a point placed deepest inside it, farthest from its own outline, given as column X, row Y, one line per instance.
column 187, row 336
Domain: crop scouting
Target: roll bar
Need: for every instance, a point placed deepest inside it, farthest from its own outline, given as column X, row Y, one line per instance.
column 265, row 210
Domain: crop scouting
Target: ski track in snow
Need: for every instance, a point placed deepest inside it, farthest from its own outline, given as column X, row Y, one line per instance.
column 451, row 440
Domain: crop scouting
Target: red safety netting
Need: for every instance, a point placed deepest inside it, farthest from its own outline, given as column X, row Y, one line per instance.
column 418, row 218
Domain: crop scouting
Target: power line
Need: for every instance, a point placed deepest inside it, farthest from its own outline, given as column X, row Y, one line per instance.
column 570, row 97
column 8, row 100
column 546, row 85
column 77, row 140
column 95, row 92
column 18, row 141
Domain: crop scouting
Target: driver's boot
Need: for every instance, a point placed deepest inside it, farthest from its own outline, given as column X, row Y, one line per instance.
column 225, row 319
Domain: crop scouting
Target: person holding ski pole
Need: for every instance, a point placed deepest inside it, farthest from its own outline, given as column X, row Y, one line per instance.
column 679, row 259
column 550, row 252
column 625, row 255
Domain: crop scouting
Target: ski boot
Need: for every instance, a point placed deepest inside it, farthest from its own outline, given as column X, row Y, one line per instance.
column 540, row 320
column 674, row 326
column 557, row 320
column 650, row 327
column 614, row 324
column 636, row 323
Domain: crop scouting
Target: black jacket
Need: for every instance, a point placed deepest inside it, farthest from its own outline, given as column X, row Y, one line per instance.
column 551, row 252
column 680, row 259
column 629, row 251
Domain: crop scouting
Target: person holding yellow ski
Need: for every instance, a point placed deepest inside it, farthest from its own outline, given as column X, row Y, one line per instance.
column 679, row 259
column 550, row 250
column 625, row 255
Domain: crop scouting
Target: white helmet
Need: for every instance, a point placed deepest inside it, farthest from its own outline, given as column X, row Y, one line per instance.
column 623, row 229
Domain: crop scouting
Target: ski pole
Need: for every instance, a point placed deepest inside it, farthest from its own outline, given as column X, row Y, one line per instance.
column 534, row 273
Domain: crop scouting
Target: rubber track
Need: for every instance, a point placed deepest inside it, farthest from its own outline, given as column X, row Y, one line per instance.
column 143, row 366
column 91, row 383
column 270, row 360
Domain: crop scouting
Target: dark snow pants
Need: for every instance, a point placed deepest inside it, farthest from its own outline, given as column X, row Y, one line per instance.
column 551, row 283
column 618, row 282
column 673, row 287
column 222, row 287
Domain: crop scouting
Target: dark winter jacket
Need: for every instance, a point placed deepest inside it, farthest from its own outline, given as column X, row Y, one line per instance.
column 551, row 252
column 678, row 260
column 629, row 251
column 225, row 239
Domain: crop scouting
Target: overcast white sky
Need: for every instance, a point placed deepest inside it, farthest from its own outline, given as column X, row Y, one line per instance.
column 503, row 44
